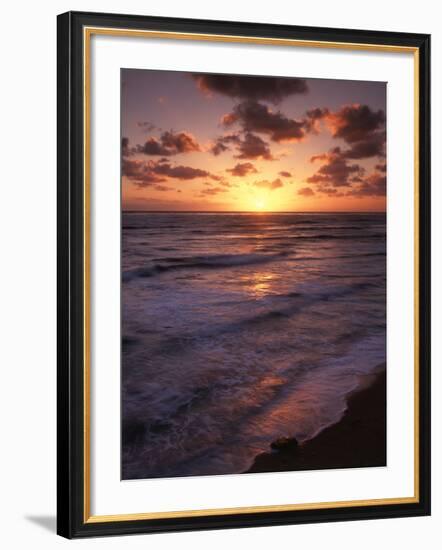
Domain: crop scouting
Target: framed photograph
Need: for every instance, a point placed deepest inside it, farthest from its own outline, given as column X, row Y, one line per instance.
column 243, row 274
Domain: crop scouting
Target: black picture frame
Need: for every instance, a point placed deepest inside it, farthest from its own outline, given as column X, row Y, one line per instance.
column 72, row 505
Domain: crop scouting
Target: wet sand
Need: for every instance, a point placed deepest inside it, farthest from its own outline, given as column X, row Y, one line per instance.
column 358, row 440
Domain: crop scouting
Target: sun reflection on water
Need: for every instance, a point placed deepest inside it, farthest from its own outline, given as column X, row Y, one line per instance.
column 260, row 283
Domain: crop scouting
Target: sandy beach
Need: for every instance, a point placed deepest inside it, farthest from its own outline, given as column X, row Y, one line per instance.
column 358, row 440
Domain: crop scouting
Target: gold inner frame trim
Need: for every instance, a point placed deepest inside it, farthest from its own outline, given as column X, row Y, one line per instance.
column 87, row 34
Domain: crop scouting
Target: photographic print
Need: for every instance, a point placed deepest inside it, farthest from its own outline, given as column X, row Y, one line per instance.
column 253, row 274
column 223, row 274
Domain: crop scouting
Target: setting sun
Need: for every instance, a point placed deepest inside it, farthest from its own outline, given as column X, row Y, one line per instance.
column 260, row 204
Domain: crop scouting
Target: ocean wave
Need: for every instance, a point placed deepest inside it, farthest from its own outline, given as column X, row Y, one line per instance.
column 219, row 360
column 199, row 426
column 274, row 313
column 201, row 262
column 298, row 301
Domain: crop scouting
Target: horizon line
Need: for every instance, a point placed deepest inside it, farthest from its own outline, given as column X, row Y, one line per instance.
column 254, row 211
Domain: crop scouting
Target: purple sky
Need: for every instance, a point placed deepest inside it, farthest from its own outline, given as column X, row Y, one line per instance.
column 239, row 143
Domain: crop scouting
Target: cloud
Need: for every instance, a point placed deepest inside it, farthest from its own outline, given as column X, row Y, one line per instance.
column 144, row 174
column 139, row 173
column 253, row 147
column 285, row 174
column 163, row 188
column 268, row 88
column 271, row 185
column 256, row 117
column 372, row 146
column 374, row 185
column 169, row 144
column 249, row 147
column 125, row 149
column 178, row 172
column 131, row 168
column 313, row 118
column 359, row 126
column 353, row 123
column 330, row 191
column 242, row 169
column 363, row 131
column 146, row 126
column 222, row 143
column 212, row 191
column 335, row 172
column 306, row 192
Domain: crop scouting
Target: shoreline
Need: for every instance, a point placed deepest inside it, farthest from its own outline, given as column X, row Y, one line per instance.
column 357, row 440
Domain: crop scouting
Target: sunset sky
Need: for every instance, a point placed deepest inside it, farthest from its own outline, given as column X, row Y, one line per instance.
column 208, row 142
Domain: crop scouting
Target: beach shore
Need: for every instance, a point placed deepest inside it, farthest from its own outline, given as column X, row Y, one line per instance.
column 358, row 440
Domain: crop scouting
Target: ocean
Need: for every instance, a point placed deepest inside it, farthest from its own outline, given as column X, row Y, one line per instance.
column 239, row 328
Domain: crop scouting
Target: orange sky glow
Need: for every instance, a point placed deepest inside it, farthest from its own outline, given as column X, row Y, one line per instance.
column 207, row 142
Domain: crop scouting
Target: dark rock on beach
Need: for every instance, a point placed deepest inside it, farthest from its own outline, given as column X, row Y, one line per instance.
column 358, row 440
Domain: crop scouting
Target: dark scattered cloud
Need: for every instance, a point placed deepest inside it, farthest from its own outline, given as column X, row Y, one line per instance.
column 222, row 143
column 266, row 184
column 169, row 144
column 257, row 117
column 147, row 126
column 242, row 169
column 359, row 126
column 163, row 188
column 212, row 191
column 178, row 172
column 363, row 131
column 144, row 174
column 124, row 146
column 268, row 88
column 306, row 192
column 374, row 185
column 335, row 171
column 139, row 173
column 330, row 191
column 249, row 147
column 372, row 146
column 218, row 147
column 253, row 147
column 336, row 178
column 352, row 123
column 314, row 117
